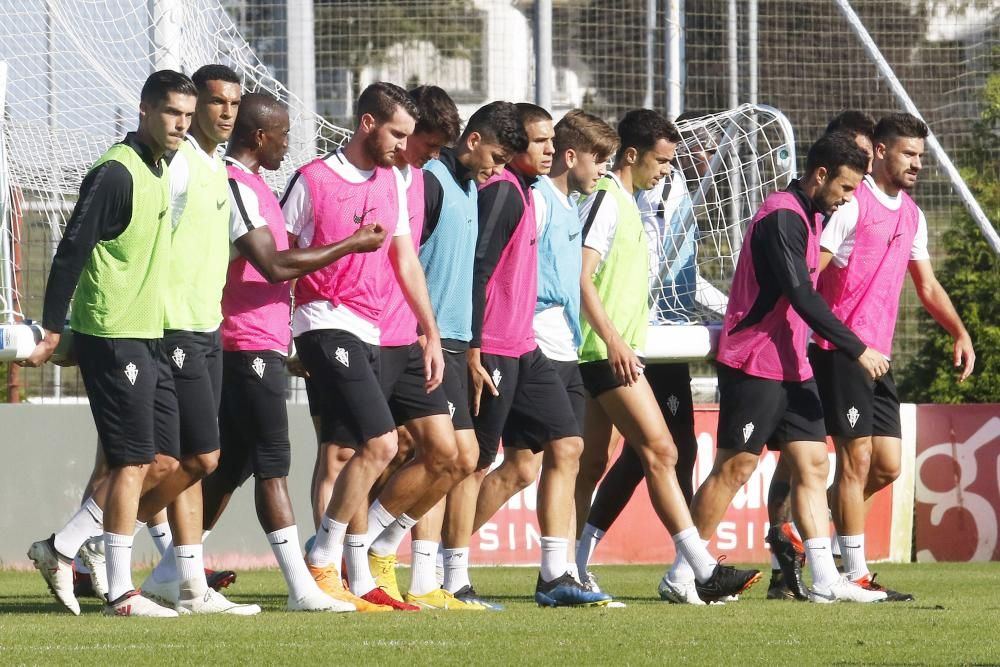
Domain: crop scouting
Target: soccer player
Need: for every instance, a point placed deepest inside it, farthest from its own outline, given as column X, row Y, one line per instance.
column 667, row 211
column 256, row 337
column 614, row 295
column 115, row 254
column 767, row 392
column 525, row 391
column 583, row 144
column 338, row 310
column 872, row 242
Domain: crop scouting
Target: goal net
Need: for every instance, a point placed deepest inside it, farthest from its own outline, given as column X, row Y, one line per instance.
column 726, row 164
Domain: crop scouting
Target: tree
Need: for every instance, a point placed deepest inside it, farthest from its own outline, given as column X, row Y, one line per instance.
column 971, row 274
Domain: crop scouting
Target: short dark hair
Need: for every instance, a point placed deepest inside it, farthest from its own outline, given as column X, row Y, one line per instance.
column 897, row 125
column 159, row 84
column 586, row 133
column 381, row 99
column 835, row 150
column 256, row 113
column 642, row 128
column 438, row 113
column 853, row 122
column 531, row 113
column 499, row 122
column 207, row 73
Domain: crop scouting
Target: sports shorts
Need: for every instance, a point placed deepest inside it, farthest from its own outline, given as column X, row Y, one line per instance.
column 598, row 377
column 402, row 377
column 854, row 405
column 456, row 383
column 196, row 363
column 521, row 434
column 671, row 385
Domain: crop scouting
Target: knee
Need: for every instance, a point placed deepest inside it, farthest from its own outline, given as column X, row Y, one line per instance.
column 466, row 458
column 566, row 452
column 381, row 450
column 855, row 461
column 526, row 472
column 161, row 468
column 200, row 466
column 883, row 474
column 737, row 471
column 660, row 454
column 442, row 457
column 592, row 468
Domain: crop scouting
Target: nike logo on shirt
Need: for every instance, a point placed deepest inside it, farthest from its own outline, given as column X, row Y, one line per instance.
column 219, row 204
column 358, row 219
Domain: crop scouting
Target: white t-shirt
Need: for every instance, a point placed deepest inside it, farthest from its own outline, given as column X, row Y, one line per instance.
column 296, row 206
column 180, row 175
column 604, row 222
column 552, row 332
column 244, row 215
column 839, row 232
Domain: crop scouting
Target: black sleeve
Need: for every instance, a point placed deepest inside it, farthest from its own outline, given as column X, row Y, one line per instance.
column 433, row 203
column 102, row 213
column 784, row 238
column 500, row 209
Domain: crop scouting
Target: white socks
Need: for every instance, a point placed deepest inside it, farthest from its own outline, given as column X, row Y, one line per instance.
column 691, row 548
column 88, row 522
column 423, row 568
column 285, row 545
column 820, row 558
column 329, row 545
column 852, row 551
column 379, row 519
column 118, row 552
column 553, row 557
column 161, row 536
column 456, row 569
column 191, row 569
column 359, row 575
column 589, row 539
column 387, row 543
column 166, row 569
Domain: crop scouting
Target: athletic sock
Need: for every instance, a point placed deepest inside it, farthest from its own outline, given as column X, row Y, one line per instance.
column 423, row 568
column 118, row 552
column 285, row 545
column 387, row 543
column 852, row 548
column 161, row 536
column 379, row 519
column 166, row 569
column 589, row 539
column 835, row 545
column 191, row 570
column 553, row 558
column 456, row 569
column 680, row 572
column 329, row 545
column 88, row 522
column 820, row 557
column 138, row 528
column 359, row 575
column 571, row 568
column 690, row 545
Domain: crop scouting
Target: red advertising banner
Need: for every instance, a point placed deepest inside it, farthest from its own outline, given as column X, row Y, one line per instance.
column 957, row 478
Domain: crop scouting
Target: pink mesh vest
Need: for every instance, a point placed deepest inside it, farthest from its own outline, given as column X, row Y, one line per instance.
column 775, row 347
column 399, row 324
column 513, row 288
column 359, row 281
column 255, row 313
column 865, row 293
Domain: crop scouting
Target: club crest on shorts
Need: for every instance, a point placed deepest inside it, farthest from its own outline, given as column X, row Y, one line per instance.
column 747, row 432
column 258, row 366
column 131, row 372
column 852, row 416
column 178, row 356
column 497, row 376
column 342, row 357
column 451, row 409
column 672, row 404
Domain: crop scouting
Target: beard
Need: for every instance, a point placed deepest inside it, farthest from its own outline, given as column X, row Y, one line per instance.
column 375, row 153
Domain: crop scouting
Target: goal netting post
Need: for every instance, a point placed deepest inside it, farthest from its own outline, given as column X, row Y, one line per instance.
column 727, row 163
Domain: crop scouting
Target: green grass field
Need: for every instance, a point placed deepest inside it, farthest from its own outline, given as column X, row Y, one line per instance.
column 955, row 620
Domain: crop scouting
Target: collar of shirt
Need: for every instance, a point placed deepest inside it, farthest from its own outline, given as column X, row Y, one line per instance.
column 808, row 205
column 236, row 163
column 461, row 175
column 145, row 152
column 524, row 181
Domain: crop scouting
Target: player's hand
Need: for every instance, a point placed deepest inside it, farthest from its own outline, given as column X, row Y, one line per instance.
column 480, row 378
column 368, row 238
column 874, row 362
column 624, row 362
column 43, row 350
column 433, row 363
column 965, row 356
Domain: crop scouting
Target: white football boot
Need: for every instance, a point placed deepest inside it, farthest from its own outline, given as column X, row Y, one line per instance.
column 167, row 593
column 92, row 555
column 679, row 592
column 319, row 601
column 58, row 573
column 213, row 602
column 134, row 603
column 844, row 590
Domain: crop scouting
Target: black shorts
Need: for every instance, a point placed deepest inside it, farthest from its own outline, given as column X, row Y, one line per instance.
column 456, row 384
column 401, row 373
column 854, row 405
column 196, row 363
column 755, row 411
column 524, row 435
column 599, row 378
column 132, row 397
column 671, row 385
column 253, row 417
column 344, row 371
column 532, row 399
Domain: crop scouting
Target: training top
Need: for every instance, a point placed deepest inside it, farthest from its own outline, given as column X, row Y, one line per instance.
column 324, row 203
column 399, row 324
column 505, row 275
column 613, row 227
column 199, row 246
column 255, row 312
column 863, row 282
column 448, row 243
column 560, row 247
column 772, row 301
